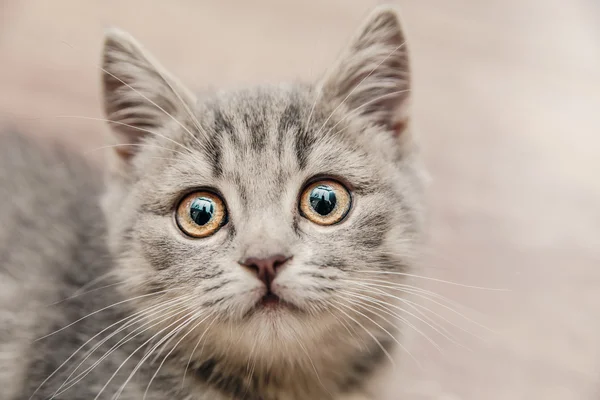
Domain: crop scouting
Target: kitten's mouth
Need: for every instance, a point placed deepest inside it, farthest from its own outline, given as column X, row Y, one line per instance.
column 270, row 300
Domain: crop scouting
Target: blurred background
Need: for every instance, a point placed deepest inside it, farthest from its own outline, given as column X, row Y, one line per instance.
column 507, row 104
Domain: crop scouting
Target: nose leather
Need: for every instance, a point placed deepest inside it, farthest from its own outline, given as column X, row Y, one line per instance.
column 266, row 269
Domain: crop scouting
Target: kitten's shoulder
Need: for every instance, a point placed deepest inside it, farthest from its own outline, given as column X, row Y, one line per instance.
column 49, row 210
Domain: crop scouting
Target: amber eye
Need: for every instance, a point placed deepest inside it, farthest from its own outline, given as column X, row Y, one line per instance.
column 201, row 214
column 325, row 202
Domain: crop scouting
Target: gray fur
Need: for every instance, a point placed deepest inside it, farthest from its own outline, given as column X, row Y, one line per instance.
column 64, row 229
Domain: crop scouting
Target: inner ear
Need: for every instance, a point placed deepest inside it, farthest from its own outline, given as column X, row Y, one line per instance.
column 372, row 77
column 139, row 95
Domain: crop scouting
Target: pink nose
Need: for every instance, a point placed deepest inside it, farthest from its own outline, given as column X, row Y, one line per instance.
column 266, row 268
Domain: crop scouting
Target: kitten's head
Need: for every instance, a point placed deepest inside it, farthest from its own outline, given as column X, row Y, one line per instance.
column 262, row 219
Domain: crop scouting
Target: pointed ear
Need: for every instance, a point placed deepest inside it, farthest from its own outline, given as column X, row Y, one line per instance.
column 139, row 96
column 372, row 77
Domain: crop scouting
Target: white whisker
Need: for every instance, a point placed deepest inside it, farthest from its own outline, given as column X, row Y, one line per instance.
column 435, row 280
column 132, row 316
column 189, row 318
column 312, row 109
column 79, row 293
column 390, row 335
column 172, row 350
column 127, row 125
column 414, row 307
column 412, row 290
column 194, row 349
column 352, row 332
column 383, row 349
column 311, row 363
column 139, row 316
column 100, row 310
column 183, row 103
column 387, row 311
column 134, row 352
column 416, row 293
column 406, row 286
column 365, row 104
column 111, row 146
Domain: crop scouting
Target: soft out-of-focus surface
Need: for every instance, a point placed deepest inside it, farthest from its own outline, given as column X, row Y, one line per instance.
column 507, row 98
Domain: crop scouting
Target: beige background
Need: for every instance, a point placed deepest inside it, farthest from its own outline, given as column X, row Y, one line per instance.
column 507, row 100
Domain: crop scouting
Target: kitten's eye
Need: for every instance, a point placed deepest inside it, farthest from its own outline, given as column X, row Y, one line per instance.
column 325, row 202
column 201, row 214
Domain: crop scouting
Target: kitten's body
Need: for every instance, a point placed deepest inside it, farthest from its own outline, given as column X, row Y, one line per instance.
column 53, row 243
column 257, row 148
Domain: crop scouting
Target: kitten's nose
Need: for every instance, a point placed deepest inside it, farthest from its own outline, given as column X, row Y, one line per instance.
column 266, row 268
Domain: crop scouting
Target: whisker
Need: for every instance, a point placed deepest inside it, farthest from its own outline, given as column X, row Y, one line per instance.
column 421, row 293
column 435, row 280
column 312, row 109
column 110, row 146
column 189, row 318
column 76, row 294
column 429, row 295
column 383, row 349
column 183, row 103
column 75, row 352
column 95, row 280
column 72, row 381
column 415, row 306
column 312, row 364
column 417, row 289
column 165, row 344
column 140, row 94
column 100, row 310
column 195, row 347
column 132, row 316
column 352, row 332
column 135, row 351
column 415, row 293
column 170, row 352
column 389, row 334
column 250, row 371
column 392, row 314
column 127, row 125
column 139, row 316
column 365, row 104
column 446, row 333
column 190, row 152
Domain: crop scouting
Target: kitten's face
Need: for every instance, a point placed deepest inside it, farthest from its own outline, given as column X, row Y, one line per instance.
column 258, row 214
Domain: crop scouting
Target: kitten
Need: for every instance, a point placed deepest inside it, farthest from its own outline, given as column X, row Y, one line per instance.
column 245, row 245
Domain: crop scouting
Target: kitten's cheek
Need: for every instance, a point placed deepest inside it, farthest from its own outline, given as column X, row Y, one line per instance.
column 277, row 288
column 252, row 293
column 285, row 291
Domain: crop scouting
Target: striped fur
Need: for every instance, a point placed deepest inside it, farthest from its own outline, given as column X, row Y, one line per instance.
column 258, row 148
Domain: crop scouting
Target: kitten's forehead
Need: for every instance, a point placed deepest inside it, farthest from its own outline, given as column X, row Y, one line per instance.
column 253, row 129
column 272, row 135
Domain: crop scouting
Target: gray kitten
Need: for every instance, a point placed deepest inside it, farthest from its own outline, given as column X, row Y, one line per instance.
column 245, row 244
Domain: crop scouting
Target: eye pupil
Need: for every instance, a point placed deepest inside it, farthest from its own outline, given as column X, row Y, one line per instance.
column 202, row 210
column 323, row 199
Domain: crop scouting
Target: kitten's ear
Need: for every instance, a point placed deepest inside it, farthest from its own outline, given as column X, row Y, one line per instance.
column 140, row 97
column 372, row 77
